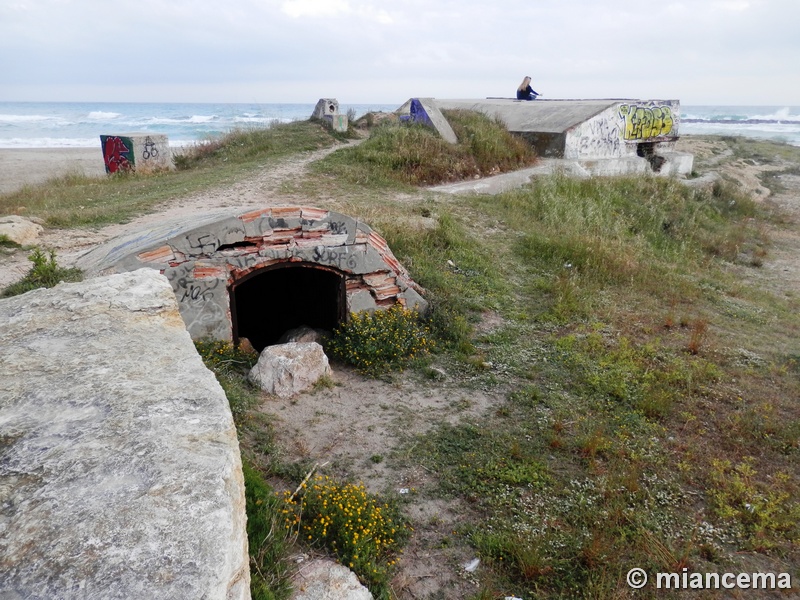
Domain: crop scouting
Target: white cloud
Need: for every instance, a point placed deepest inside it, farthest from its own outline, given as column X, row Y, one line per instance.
column 374, row 49
column 734, row 5
column 314, row 8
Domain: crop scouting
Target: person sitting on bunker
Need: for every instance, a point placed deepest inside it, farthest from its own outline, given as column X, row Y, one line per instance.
column 525, row 91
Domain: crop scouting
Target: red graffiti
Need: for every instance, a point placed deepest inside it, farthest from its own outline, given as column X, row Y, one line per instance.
column 116, row 155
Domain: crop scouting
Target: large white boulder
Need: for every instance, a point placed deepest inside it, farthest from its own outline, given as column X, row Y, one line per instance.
column 288, row 369
column 120, row 473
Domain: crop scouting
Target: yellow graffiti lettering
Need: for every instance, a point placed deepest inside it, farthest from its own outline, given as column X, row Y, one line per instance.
column 642, row 122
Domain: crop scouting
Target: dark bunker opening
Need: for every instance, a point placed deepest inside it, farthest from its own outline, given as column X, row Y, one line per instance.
column 268, row 302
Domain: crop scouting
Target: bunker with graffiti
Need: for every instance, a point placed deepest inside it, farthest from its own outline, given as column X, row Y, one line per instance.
column 140, row 152
column 260, row 273
column 639, row 135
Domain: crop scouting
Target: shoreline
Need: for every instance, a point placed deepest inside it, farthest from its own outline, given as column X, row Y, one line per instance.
column 29, row 166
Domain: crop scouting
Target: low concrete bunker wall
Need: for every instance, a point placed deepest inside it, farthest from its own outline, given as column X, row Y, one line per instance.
column 141, row 152
column 207, row 260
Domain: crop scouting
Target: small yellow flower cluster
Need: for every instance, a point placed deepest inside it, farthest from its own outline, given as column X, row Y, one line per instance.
column 349, row 522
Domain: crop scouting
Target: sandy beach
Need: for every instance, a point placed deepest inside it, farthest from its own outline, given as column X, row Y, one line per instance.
column 21, row 166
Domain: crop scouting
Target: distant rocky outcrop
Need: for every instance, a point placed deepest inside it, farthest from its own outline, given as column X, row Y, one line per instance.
column 120, row 474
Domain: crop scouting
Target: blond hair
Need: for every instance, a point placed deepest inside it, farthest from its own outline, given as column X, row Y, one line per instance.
column 524, row 84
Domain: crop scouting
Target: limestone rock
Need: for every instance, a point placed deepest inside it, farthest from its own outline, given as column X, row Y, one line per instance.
column 120, row 473
column 20, row 230
column 288, row 369
column 323, row 579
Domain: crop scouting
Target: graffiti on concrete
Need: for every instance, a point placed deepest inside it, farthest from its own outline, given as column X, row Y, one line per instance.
column 600, row 137
column 117, row 153
column 204, row 261
column 150, row 149
column 645, row 122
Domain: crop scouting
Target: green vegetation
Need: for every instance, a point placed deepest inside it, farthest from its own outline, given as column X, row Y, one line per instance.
column 414, row 155
column 268, row 541
column 364, row 532
column 44, row 273
column 641, row 372
column 384, row 339
column 231, row 366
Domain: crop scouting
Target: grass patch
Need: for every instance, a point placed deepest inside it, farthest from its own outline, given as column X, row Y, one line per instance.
column 456, row 270
column 231, row 366
column 416, row 155
column 44, row 273
column 268, row 541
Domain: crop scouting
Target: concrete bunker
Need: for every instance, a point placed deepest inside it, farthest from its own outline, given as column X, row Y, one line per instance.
column 612, row 136
column 260, row 273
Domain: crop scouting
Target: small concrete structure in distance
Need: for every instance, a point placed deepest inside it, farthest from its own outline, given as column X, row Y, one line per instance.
column 425, row 112
column 612, row 136
column 260, row 273
column 327, row 109
column 140, row 152
column 120, row 471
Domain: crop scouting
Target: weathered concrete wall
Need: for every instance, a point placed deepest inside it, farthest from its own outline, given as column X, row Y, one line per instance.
column 591, row 130
column 120, row 474
column 617, row 131
column 204, row 258
column 140, row 152
column 327, row 109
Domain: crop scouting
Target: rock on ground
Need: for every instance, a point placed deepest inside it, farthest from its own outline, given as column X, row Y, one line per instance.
column 323, row 579
column 120, row 474
column 20, row 230
column 288, row 369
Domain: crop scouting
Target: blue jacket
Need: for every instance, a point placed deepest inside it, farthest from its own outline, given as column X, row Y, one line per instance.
column 527, row 94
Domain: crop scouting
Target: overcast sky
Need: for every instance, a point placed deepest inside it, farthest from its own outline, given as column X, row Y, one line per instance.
column 379, row 51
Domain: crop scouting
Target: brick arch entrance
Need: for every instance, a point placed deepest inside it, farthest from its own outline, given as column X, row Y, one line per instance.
column 281, row 260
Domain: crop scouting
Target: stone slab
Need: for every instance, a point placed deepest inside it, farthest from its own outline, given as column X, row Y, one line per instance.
column 120, row 474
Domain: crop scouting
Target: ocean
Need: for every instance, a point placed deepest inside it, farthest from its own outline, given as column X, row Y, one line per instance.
column 80, row 124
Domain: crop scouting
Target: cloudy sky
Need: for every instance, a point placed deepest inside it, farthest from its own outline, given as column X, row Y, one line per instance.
column 380, row 51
